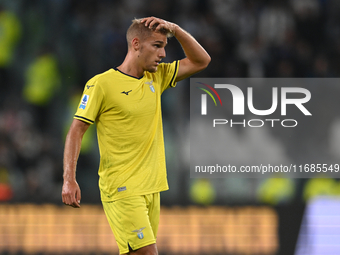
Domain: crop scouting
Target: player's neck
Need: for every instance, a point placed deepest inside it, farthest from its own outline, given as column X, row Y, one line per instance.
column 130, row 66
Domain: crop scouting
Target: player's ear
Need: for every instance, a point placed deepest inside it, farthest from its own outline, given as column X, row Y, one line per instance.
column 135, row 43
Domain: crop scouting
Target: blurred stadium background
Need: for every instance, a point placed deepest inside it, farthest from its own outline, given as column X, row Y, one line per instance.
column 50, row 48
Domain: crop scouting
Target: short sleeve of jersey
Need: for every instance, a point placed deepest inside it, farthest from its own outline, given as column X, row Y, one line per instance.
column 168, row 71
column 91, row 102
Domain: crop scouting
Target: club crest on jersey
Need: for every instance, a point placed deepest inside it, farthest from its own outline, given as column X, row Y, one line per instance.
column 139, row 232
column 84, row 101
column 151, row 86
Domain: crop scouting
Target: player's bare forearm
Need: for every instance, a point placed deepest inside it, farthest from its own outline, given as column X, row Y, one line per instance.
column 71, row 191
column 196, row 59
column 72, row 148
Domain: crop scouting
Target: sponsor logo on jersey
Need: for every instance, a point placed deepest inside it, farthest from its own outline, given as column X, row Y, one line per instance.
column 126, row 92
column 121, row 189
column 89, row 86
column 139, row 232
column 84, row 101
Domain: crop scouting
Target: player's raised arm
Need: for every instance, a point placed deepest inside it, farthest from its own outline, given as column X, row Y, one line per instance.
column 196, row 59
column 71, row 192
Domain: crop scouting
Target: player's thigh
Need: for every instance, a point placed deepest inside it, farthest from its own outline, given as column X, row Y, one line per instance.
column 130, row 223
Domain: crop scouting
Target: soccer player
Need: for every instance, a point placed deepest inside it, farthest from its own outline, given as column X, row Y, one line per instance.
column 125, row 103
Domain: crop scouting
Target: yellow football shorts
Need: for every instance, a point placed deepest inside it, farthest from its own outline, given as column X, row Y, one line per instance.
column 134, row 220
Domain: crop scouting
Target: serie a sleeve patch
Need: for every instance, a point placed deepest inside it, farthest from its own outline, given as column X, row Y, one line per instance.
column 84, row 101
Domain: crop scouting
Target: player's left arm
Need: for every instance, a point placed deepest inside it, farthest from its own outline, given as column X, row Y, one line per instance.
column 196, row 58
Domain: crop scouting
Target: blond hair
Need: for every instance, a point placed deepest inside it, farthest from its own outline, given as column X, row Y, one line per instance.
column 139, row 30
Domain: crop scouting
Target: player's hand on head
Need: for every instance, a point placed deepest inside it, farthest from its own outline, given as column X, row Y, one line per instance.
column 161, row 24
column 71, row 194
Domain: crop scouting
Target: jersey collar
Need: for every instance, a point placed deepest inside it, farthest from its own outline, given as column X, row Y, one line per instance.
column 115, row 68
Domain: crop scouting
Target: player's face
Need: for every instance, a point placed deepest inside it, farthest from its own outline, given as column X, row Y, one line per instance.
column 152, row 51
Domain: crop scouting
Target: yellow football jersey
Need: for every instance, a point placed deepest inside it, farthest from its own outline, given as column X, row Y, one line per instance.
column 127, row 112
